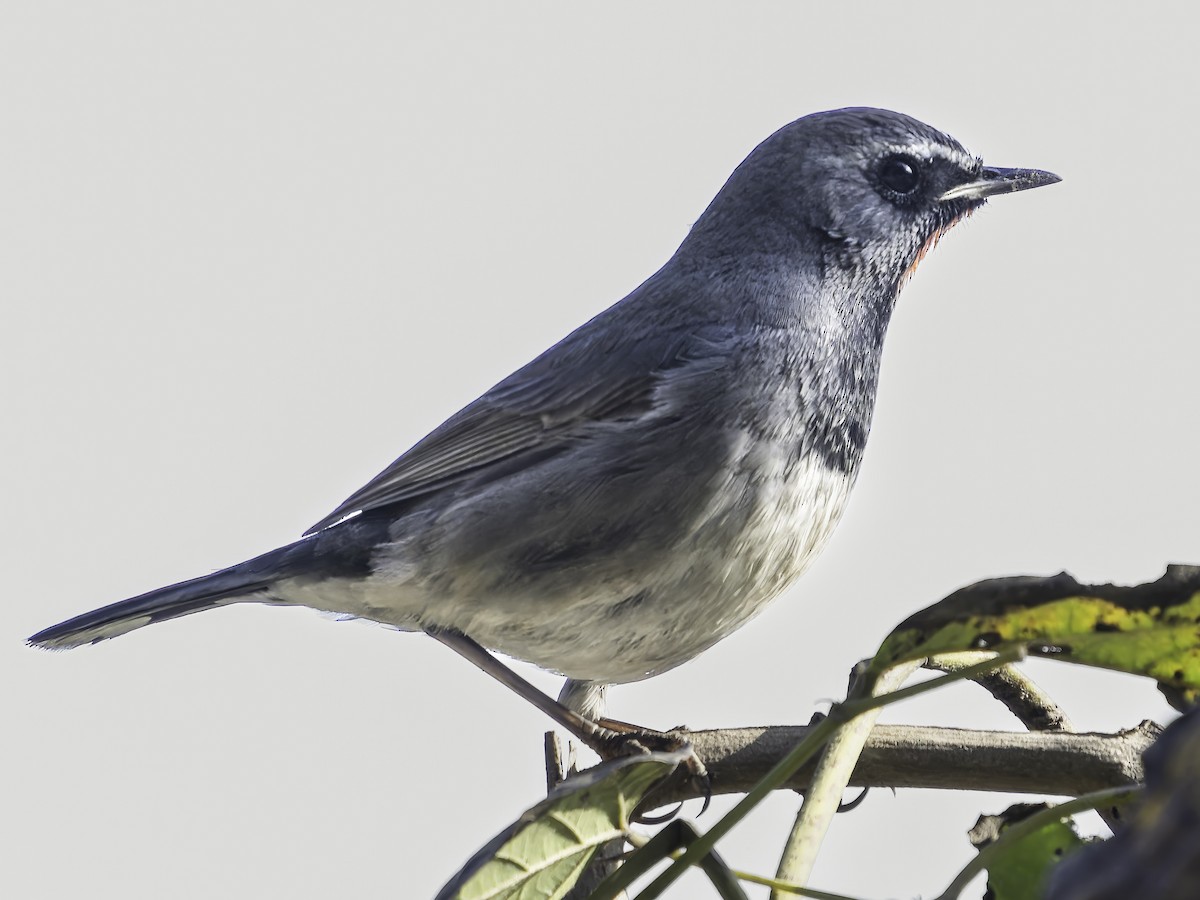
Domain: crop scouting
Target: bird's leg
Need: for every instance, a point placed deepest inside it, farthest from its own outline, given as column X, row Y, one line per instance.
column 590, row 699
column 624, row 740
column 595, row 736
column 587, row 699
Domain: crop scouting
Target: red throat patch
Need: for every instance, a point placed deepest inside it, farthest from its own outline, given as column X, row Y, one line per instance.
column 929, row 244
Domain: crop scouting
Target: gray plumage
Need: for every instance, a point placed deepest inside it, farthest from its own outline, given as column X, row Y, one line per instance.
column 650, row 482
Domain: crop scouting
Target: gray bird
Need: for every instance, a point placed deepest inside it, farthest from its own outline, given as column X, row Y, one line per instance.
column 650, row 482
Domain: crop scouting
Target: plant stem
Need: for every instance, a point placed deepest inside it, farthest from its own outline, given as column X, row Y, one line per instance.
column 799, row 755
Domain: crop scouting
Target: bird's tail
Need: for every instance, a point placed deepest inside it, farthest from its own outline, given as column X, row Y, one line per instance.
column 240, row 582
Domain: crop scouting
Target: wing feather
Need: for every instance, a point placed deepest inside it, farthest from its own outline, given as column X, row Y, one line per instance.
column 535, row 411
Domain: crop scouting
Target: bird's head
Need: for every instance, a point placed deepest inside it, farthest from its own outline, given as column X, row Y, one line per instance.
column 865, row 190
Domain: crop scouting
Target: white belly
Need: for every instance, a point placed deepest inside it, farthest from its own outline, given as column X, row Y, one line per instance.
column 754, row 539
column 758, row 532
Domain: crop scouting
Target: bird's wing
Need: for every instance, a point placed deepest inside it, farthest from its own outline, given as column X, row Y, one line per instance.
column 539, row 411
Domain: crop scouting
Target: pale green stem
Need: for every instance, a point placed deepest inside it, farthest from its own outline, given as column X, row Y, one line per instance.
column 784, row 887
column 824, row 794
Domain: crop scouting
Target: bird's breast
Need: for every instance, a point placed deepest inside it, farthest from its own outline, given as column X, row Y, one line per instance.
column 764, row 523
column 775, row 514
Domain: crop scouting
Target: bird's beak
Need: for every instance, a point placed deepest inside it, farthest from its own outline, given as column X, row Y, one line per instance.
column 999, row 181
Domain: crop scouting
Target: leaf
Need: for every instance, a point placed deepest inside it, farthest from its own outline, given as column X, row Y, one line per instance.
column 1019, row 868
column 543, row 853
column 1147, row 629
column 995, row 837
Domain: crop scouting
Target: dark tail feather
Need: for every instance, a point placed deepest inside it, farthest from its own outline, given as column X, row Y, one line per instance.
column 218, row 589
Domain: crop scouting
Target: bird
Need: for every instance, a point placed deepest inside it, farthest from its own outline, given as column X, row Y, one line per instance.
column 653, row 480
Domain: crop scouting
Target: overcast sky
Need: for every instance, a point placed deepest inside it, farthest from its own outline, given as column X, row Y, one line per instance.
column 251, row 251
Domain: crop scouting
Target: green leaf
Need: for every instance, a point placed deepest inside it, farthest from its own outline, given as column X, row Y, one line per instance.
column 997, row 836
column 1018, row 869
column 1147, row 629
column 543, row 853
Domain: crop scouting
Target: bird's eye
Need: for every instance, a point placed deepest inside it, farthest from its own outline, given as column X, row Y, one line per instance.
column 900, row 174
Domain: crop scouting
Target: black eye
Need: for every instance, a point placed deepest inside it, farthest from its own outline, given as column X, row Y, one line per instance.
column 900, row 174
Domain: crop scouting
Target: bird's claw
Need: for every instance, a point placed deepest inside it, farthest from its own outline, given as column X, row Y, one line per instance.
column 617, row 744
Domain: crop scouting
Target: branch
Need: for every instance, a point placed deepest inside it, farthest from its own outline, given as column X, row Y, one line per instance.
column 1012, row 687
column 909, row 756
column 1024, row 699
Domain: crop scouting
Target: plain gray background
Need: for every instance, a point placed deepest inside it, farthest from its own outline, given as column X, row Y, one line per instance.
column 251, row 251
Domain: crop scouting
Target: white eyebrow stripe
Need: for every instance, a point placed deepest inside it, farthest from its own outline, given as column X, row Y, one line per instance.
column 926, row 149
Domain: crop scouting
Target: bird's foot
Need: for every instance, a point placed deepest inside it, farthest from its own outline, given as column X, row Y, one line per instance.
column 629, row 740
column 611, row 743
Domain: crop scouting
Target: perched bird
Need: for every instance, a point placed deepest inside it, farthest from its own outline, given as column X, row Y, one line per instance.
column 650, row 482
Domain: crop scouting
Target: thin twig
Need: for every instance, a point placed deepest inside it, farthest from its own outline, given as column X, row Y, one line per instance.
column 1012, row 687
